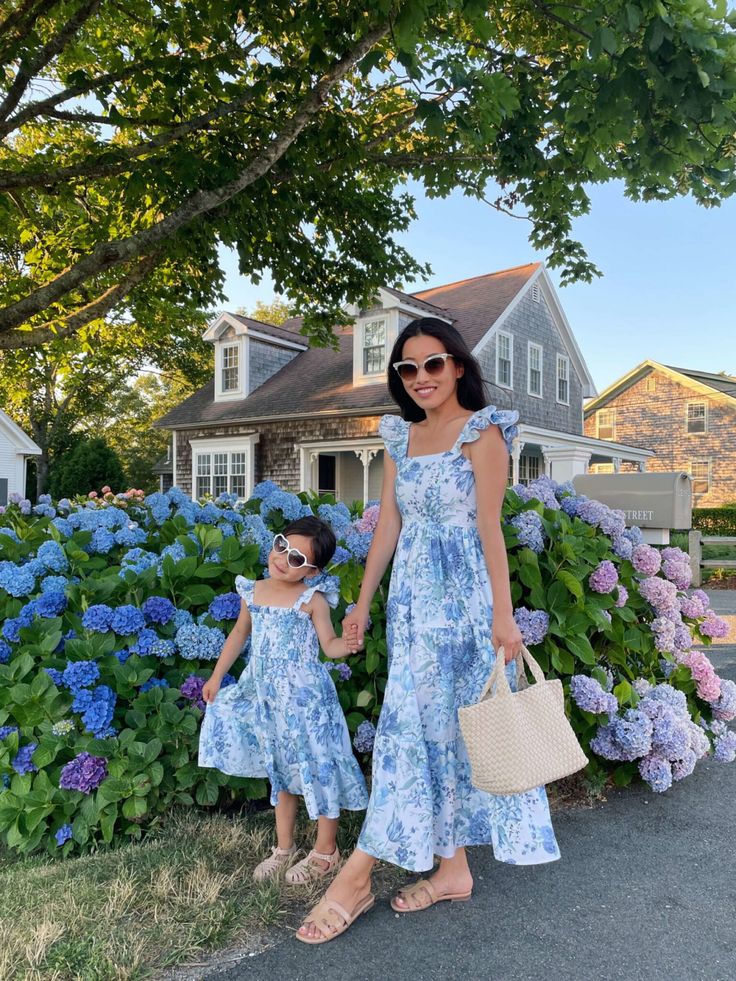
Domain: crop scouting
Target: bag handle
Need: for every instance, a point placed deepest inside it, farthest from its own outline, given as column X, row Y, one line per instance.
column 498, row 673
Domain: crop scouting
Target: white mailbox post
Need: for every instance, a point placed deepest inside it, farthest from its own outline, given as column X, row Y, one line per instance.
column 656, row 502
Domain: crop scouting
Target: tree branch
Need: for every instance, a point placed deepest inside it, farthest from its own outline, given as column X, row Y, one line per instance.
column 106, row 255
column 57, row 43
column 19, row 22
column 51, row 331
column 10, row 179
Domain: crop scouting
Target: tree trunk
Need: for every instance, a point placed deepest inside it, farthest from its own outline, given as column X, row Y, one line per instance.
column 42, row 472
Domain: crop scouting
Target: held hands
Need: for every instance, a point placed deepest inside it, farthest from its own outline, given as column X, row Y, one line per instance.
column 210, row 689
column 354, row 627
column 506, row 634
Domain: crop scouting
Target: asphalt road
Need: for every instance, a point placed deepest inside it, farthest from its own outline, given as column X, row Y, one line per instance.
column 645, row 889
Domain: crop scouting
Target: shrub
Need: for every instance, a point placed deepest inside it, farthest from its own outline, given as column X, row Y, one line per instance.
column 112, row 607
column 89, row 464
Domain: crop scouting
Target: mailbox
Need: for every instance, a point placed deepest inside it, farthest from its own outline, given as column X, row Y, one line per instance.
column 656, row 502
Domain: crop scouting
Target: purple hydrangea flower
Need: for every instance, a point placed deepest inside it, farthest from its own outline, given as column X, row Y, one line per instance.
column 725, row 707
column 588, row 694
column 533, row 625
column 632, row 734
column 191, row 689
column 684, row 767
column 725, row 747
column 691, row 607
column 364, row 737
column 622, row 596
column 671, row 738
column 530, row 529
column 656, row 772
column 605, row 578
column 342, row 670
column 646, row 560
column 713, row 626
column 84, row 773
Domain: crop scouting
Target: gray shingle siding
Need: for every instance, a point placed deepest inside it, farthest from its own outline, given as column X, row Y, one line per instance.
column 265, row 361
column 532, row 321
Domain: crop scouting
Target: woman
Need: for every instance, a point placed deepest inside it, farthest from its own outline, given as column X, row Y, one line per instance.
column 449, row 608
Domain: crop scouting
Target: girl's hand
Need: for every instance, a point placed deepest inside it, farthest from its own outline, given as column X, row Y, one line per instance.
column 210, row 690
column 354, row 627
column 506, row 634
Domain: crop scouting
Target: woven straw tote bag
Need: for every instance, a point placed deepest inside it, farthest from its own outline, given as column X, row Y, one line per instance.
column 519, row 740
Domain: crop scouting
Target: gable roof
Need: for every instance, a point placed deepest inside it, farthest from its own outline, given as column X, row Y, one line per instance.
column 247, row 325
column 15, row 435
column 721, row 387
column 320, row 381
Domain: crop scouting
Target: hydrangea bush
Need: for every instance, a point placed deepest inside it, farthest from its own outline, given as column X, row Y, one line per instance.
column 113, row 608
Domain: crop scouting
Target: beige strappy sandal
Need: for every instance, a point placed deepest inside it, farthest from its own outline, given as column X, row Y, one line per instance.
column 308, row 870
column 425, row 895
column 333, row 919
column 271, row 867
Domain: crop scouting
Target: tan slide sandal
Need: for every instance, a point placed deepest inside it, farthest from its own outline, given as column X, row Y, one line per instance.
column 333, row 919
column 425, row 894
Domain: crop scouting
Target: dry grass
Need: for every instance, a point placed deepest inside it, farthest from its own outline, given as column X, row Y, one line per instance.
column 129, row 914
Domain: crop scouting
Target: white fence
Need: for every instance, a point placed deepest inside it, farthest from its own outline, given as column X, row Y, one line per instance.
column 696, row 540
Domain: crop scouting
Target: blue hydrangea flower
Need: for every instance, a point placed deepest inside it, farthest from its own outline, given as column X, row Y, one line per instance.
column 358, row 543
column 531, row 531
column 63, row 834
column 16, row 580
column 127, row 620
column 226, row 606
column 199, row 642
column 264, row 489
column 54, row 584
column 657, row 772
column 53, row 556
column 130, row 535
column 22, row 762
column 50, row 604
column 5, row 731
column 144, row 642
column 341, row 556
column 97, row 618
column 182, row 618
column 163, row 648
column 158, row 609
column 56, row 676
column 137, row 560
column 364, row 737
column 533, row 625
column 337, row 517
column 96, row 707
column 154, row 683
column 10, row 532
column 589, row 695
column 5, row 652
column 255, row 532
column 633, row 735
column 289, row 505
column 80, row 674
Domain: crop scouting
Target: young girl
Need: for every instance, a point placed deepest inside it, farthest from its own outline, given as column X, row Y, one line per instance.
column 283, row 720
column 448, row 611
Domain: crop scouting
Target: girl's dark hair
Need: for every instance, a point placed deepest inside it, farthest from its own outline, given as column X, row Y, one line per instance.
column 324, row 542
column 471, row 393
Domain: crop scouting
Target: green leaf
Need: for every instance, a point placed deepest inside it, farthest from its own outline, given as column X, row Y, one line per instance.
column 570, row 582
column 364, row 698
column 580, row 647
column 135, row 807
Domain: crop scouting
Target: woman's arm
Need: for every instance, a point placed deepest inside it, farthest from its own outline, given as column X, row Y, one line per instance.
column 490, row 461
column 380, row 553
column 231, row 651
column 331, row 644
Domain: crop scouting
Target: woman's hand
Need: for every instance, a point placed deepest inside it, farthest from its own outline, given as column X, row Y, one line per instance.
column 354, row 627
column 210, row 689
column 505, row 633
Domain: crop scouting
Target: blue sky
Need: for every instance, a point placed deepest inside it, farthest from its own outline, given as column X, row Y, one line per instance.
column 668, row 290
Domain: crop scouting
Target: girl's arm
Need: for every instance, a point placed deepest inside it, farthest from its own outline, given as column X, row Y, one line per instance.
column 490, row 460
column 331, row 644
column 231, row 651
column 380, row 553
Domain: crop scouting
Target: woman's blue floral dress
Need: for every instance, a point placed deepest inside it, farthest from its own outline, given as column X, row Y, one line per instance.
column 438, row 617
column 283, row 720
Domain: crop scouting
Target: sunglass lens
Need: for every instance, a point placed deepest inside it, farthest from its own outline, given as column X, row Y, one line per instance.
column 407, row 372
column 296, row 560
column 280, row 544
column 434, row 366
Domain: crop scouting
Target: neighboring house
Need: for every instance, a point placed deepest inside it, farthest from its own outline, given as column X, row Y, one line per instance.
column 687, row 417
column 15, row 448
column 307, row 418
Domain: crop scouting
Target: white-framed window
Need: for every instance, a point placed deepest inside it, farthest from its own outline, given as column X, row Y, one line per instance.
column 374, row 347
column 563, row 379
column 505, row 359
column 528, row 468
column 696, row 420
column 606, row 423
column 700, row 472
column 651, row 384
column 534, row 374
column 601, row 468
column 223, row 466
column 230, row 377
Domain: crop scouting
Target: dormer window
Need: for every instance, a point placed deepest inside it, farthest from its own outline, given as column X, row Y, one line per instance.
column 230, row 368
column 374, row 347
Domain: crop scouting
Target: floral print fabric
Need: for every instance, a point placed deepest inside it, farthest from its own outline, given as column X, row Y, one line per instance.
column 283, row 720
column 438, row 616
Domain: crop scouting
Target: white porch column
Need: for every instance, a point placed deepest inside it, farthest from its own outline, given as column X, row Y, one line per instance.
column 642, row 466
column 365, row 456
column 547, row 457
column 616, row 460
column 565, row 462
column 517, row 446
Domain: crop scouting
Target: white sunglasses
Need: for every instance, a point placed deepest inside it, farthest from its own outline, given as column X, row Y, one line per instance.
column 281, row 546
column 433, row 365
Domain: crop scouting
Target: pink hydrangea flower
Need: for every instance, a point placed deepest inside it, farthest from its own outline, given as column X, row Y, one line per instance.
column 92, row 495
column 369, row 520
column 708, row 684
column 691, row 607
column 106, row 490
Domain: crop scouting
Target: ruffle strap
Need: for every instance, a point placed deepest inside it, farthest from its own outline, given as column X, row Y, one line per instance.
column 394, row 431
column 244, row 588
column 329, row 586
column 505, row 419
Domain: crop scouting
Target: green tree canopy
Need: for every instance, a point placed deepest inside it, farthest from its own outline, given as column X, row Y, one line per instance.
column 89, row 465
column 139, row 136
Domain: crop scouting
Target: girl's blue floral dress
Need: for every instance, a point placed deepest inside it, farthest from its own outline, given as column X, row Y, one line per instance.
column 438, row 618
column 283, row 720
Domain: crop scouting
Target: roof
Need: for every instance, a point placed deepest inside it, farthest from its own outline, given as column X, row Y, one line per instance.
column 14, row 434
column 320, row 380
column 720, row 386
column 283, row 332
column 164, row 465
column 413, row 298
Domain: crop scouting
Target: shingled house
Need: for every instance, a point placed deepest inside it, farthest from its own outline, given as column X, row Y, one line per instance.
column 307, row 418
column 687, row 417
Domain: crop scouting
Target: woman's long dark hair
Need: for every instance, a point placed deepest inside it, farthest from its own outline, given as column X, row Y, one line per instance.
column 471, row 392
